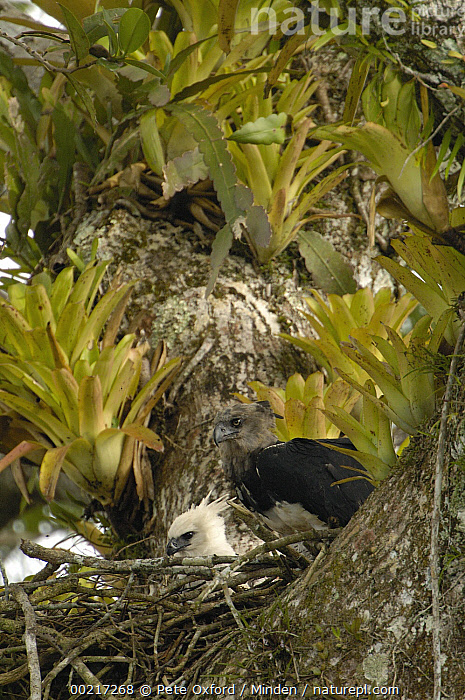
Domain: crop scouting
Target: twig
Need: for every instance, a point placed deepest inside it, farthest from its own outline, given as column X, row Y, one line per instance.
column 147, row 566
column 254, row 524
column 156, row 637
column 38, row 56
column 31, row 641
column 227, row 574
column 311, row 570
column 430, row 137
column 6, row 585
column 231, row 606
column 175, row 669
column 436, row 516
column 117, row 605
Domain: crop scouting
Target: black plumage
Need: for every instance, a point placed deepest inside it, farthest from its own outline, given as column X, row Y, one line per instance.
column 289, row 483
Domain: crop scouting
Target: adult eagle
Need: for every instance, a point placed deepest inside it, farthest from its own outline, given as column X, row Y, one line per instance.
column 200, row 531
column 291, row 484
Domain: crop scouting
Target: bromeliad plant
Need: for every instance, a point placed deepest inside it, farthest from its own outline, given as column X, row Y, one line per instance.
column 359, row 339
column 70, row 391
column 435, row 275
column 316, row 410
column 396, row 140
column 359, row 316
column 175, row 98
column 300, row 407
column 279, row 175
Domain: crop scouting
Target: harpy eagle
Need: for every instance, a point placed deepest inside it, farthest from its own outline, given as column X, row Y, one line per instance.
column 200, row 531
column 289, row 483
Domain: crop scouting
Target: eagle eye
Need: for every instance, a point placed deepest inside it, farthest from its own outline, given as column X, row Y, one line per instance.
column 188, row 535
column 236, row 422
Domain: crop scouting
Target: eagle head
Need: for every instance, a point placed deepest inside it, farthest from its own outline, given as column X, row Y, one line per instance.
column 243, row 429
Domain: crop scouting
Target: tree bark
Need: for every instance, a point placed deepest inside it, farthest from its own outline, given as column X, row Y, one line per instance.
column 225, row 341
column 363, row 615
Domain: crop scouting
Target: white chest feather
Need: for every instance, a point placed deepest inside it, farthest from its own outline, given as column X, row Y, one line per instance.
column 287, row 518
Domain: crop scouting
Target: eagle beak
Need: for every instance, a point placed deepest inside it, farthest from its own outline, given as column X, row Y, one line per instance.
column 173, row 546
column 223, row 432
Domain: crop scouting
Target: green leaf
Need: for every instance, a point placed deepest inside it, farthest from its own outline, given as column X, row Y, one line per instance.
column 177, row 61
column 14, row 332
column 57, row 431
column 391, row 158
column 434, row 302
column 145, row 435
column 330, row 271
column 134, row 28
column 61, row 289
column 264, row 130
column 146, row 398
column 355, row 87
column 151, row 142
column 90, row 406
column 87, row 286
column 144, row 66
column 97, row 319
column 30, row 107
column 85, row 97
column 95, row 26
column 111, row 32
column 183, row 171
column 457, row 218
column 429, row 44
column 77, row 36
column 375, row 467
column 38, row 307
column 294, row 412
column 235, row 199
column 295, row 387
column 70, row 325
column 461, row 180
column 354, row 430
column 65, row 150
column 50, row 470
column 226, row 18
column 202, row 85
column 220, row 249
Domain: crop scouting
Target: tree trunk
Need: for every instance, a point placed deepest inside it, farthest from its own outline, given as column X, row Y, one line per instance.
column 363, row 614
column 225, row 341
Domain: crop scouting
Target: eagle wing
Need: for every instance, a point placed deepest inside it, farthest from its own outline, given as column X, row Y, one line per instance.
column 303, row 472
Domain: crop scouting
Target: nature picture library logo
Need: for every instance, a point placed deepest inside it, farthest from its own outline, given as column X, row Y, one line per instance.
column 417, row 19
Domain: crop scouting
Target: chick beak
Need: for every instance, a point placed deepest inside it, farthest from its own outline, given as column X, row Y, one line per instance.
column 173, row 546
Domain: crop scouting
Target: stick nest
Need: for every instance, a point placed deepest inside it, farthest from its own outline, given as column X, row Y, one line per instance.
column 89, row 621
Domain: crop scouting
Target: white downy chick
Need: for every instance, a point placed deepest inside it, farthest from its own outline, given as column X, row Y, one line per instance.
column 200, row 531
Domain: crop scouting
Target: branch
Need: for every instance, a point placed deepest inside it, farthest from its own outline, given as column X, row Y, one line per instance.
column 30, row 641
column 32, row 52
column 436, row 516
column 39, row 57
